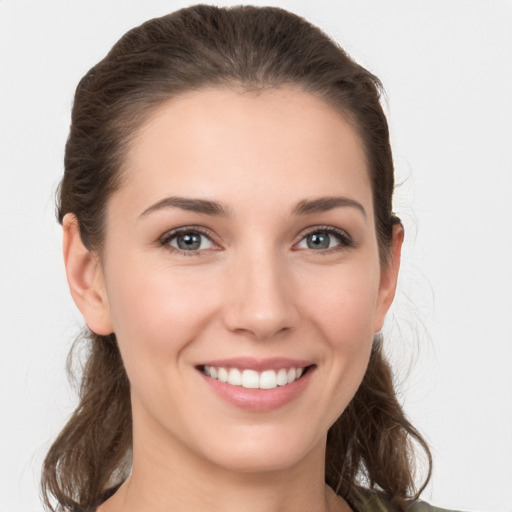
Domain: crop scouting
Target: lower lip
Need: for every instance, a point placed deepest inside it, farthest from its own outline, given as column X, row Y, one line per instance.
column 259, row 399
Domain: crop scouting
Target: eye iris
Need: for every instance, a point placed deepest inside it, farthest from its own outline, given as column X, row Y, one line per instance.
column 318, row 240
column 189, row 241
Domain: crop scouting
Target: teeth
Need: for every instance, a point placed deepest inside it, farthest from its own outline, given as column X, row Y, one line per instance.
column 268, row 379
column 235, row 377
column 251, row 379
column 223, row 374
column 282, row 377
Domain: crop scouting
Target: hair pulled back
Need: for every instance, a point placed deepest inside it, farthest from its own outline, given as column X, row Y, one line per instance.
column 199, row 47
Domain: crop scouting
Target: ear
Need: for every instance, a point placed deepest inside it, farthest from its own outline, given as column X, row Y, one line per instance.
column 389, row 277
column 85, row 279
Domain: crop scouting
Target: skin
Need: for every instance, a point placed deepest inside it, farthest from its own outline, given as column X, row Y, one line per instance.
column 255, row 288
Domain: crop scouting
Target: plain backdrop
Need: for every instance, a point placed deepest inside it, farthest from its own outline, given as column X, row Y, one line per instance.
column 446, row 66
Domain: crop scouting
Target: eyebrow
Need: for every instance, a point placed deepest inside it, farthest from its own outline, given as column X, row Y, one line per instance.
column 204, row 206
column 324, row 204
column 208, row 207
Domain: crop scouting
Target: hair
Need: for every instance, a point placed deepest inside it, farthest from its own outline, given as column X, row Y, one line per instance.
column 250, row 48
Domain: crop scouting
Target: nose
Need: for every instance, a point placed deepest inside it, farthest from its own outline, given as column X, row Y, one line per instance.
column 261, row 299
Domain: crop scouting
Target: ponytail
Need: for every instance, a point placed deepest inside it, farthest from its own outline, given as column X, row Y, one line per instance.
column 93, row 450
column 373, row 441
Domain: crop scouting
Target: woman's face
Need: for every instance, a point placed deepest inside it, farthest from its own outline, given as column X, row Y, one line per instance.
column 242, row 239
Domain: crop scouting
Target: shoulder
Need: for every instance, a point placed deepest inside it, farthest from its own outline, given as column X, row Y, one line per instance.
column 374, row 501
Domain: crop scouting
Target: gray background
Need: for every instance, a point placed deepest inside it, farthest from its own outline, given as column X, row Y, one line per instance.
column 446, row 66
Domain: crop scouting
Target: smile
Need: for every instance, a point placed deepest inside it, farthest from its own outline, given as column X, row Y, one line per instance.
column 257, row 385
column 252, row 379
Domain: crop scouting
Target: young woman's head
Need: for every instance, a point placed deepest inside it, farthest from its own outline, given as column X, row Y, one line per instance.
column 227, row 209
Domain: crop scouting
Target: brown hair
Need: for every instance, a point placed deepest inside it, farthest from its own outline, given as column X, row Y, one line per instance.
column 193, row 48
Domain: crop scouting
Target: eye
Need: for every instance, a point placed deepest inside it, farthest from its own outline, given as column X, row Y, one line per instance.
column 188, row 240
column 322, row 239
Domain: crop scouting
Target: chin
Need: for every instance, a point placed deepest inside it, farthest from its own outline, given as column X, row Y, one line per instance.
column 265, row 451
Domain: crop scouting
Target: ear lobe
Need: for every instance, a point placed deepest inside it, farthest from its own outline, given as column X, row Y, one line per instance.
column 85, row 279
column 389, row 277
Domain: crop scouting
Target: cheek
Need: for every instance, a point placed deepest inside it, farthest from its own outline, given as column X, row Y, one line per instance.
column 157, row 314
column 347, row 320
column 344, row 304
column 157, row 311
column 342, row 313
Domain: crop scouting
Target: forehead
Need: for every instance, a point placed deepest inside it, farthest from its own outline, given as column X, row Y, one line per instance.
column 220, row 142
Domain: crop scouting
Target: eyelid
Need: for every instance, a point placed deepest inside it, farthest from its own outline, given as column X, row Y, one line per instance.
column 346, row 240
column 172, row 233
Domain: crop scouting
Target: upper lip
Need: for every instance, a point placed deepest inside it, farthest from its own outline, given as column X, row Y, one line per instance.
column 249, row 363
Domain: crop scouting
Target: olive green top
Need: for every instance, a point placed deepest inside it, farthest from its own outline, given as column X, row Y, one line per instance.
column 366, row 501
column 373, row 501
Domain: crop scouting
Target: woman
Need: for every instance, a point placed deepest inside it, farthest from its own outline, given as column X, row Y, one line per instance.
column 230, row 242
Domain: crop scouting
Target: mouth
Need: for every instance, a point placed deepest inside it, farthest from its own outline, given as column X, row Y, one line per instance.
column 257, row 385
column 252, row 379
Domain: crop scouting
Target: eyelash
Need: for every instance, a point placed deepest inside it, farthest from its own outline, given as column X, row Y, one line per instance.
column 345, row 241
column 166, row 239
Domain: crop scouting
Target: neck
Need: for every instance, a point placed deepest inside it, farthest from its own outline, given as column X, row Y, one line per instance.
column 168, row 477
